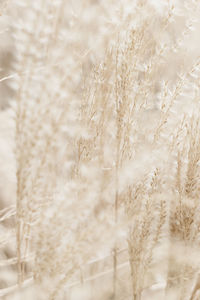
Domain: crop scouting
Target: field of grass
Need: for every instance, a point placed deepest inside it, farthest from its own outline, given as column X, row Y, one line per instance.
column 100, row 150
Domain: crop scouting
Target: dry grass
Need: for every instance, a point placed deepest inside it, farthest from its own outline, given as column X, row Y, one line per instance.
column 100, row 152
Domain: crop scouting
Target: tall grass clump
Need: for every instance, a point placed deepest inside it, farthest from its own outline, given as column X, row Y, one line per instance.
column 100, row 154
